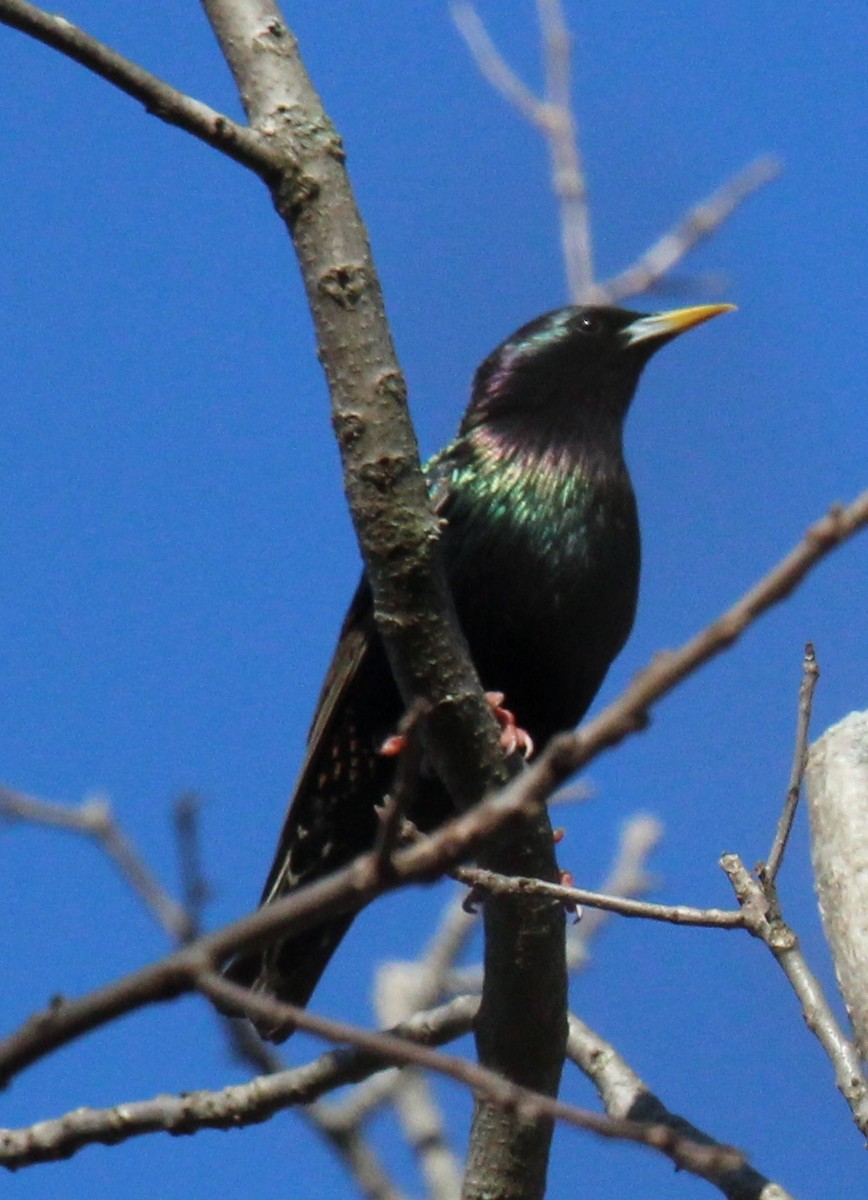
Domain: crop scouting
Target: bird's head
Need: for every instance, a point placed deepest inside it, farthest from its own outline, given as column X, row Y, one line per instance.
column 577, row 364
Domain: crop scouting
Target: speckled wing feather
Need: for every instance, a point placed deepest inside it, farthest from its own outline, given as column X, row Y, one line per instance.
column 329, row 727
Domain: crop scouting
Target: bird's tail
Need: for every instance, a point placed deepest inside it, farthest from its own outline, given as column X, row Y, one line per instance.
column 289, row 970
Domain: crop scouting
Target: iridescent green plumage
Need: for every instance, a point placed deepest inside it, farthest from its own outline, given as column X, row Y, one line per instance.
column 541, row 548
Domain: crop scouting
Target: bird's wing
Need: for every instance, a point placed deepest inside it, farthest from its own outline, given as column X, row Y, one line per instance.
column 354, row 643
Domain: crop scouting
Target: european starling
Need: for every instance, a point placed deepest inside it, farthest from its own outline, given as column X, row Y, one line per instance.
column 541, row 548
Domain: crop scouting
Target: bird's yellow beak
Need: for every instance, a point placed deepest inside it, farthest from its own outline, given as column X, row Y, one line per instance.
column 670, row 324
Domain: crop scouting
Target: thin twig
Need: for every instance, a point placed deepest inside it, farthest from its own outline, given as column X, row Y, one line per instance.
column 492, row 65
column 673, row 914
column 768, row 871
column 763, row 919
column 159, row 98
column 94, row 819
column 194, row 885
column 699, row 223
column 182, row 922
column 553, row 115
column 347, row 1140
column 562, row 136
column 628, row 879
column 630, row 712
column 402, row 988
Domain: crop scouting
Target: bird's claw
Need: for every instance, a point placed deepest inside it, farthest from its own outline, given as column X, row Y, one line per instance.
column 474, row 898
column 570, row 906
column 393, row 745
column 512, row 736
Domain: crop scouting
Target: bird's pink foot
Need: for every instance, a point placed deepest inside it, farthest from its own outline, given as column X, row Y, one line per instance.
column 393, row 745
column 570, row 906
column 512, row 737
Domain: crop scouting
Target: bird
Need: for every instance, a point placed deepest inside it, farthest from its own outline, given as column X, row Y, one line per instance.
column 541, row 547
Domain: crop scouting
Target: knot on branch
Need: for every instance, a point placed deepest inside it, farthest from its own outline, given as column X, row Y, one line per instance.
column 390, row 387
column 384, row 472
column 276, row 38
column 294, row 191
column 349, row 428
column 345, row 284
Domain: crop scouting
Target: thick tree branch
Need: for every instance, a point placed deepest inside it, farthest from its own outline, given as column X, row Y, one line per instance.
column 838, row 808
column 389, row 504
column 386, row 491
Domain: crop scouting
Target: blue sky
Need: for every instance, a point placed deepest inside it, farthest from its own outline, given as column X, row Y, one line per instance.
column 178, row 556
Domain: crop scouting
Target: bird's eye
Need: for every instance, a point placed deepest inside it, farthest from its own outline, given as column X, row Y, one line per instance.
column 590, row 323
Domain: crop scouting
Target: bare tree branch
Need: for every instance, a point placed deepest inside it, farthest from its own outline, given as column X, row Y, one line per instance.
column 159, row 98
column 763, row 919
column 626, row 879
column 254, row 1102
column 94, row 818
column 554, row 116
column 768, row 871
column 699, row 223
column 177, row 973
column 245, row 1104
column 533, row 1106
column 387, row 494
column 629, row 713
column 674, row 914
column 625, row 1094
